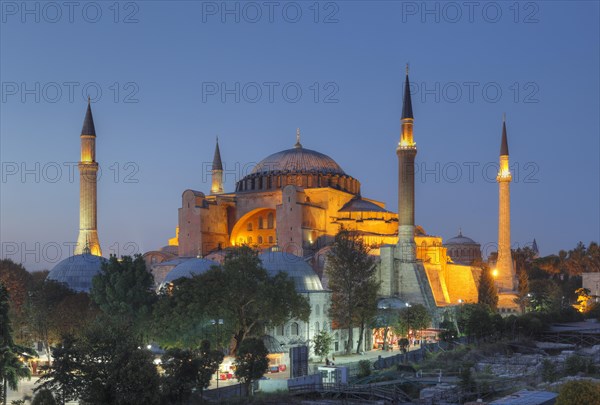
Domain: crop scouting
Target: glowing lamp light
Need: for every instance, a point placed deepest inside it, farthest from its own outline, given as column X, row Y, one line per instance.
column 495, row 273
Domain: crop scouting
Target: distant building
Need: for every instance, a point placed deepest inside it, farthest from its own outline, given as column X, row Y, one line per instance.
column 463, row 250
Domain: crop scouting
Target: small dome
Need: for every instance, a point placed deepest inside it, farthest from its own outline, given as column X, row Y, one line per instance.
column 460, row 240
column 298, row 160
column 189, row 268
column 171, row 249
column 391, row 303
column 77, row 271
column 305, row 279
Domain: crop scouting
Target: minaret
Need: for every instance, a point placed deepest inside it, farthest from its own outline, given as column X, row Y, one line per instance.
column 217, row 172
column 406, row 151
column 88, row 168
column 504, row 265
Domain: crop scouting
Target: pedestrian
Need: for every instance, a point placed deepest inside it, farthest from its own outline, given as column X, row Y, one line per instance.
column 326, row 361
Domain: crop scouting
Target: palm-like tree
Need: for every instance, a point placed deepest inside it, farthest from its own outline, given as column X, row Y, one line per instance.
column 12, row 368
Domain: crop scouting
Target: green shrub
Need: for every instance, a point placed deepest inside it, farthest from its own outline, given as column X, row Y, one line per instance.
column 578, row 393
column 549, row 372
column 43, row 397
column 364, row 368
column 578, row 364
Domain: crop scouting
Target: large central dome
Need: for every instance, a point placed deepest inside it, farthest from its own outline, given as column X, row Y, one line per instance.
column 298, row 160
column 300, row 167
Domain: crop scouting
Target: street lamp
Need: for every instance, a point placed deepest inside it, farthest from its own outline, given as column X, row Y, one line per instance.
column 407, row 320
column 216, row 323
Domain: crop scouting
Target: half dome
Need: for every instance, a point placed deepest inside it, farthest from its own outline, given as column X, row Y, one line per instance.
column 77, row 271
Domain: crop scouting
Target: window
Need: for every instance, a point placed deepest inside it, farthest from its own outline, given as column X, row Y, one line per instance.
column 249, row 226
column 270, row 222
column 260, row 222
column 317, row 310
column 279, row 330
column 316, row 327
column 249, row 239
column 295, row 329
column 270, row 239
column 260, row 240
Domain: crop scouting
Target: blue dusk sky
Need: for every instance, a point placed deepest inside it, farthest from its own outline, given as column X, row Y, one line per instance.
column 167, row 77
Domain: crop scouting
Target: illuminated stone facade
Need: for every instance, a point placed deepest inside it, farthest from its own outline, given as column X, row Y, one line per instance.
column 298, row 199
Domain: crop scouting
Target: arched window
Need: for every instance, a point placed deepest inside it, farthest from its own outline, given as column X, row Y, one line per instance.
column 260, row 240
column 295, row 328
column 153, row 260
column 249, row 226
column 260, row 222
column 249, row 239
column 279, row 330
column 316, row 327
column 270, row 239
column 270, row 222
column 317, row 310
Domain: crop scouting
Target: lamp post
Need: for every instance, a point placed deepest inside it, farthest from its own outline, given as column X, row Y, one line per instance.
column 216, row 323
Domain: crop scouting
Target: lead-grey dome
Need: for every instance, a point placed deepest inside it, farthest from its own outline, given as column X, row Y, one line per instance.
column 189, row 268
column 305, row 279
column 77, row 271
column 298, row 160
column 460, row 240
column 300, row 167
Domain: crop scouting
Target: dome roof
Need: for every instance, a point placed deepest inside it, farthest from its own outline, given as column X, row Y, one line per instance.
column 189, row 268
column 305, row 279
column 298, row 160
column 391, row 303
column 77, row 271
column 460, row 240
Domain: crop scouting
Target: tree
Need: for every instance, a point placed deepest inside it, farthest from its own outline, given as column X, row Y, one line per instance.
column 179, row 379
column 240, row 292
column 351, row 273
column 322, row 344
column 209, row 361
column 63, row 376
column 17, row 281
column 105, row 365
column 12, row 369
column 578, row 392
column 475, row 320
column 44, row 300
column 251, row 361
column 366, row 308
column 487, row 293
column 413, row 317
column 124, row 290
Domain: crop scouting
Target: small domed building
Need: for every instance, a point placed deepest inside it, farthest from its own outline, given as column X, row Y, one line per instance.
column 77, row 271
column 307, row 283
column 462, row 249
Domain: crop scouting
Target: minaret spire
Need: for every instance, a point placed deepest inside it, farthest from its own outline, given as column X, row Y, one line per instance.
column 87, row 241
column 504, row 142
column 217, row 171
column 504, row 265
column 407, row 111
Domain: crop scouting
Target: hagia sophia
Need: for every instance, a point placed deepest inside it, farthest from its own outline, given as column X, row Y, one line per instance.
column 290, row 207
